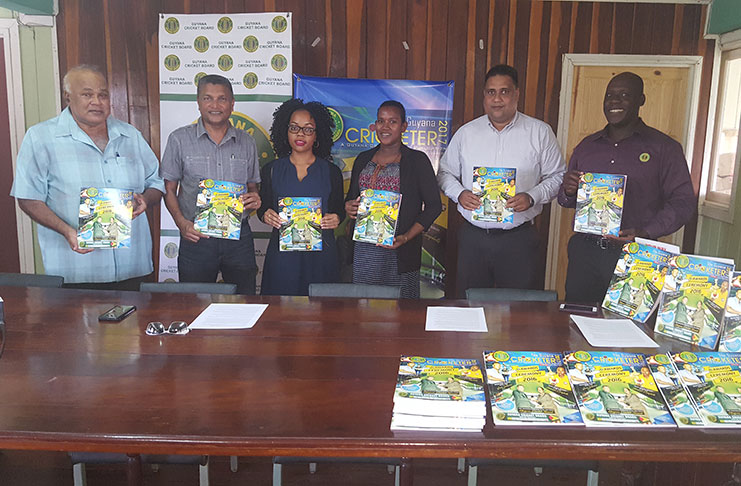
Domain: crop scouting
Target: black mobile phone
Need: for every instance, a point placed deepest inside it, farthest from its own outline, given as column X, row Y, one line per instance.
column 582, row 308
column 117, row 313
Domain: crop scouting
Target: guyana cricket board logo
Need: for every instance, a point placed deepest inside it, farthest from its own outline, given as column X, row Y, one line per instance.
column 172, row 62
column 225, row 25
column 198, row 77
column 92, row 192
column 500, row 356
column 633, row 247
column 262, row 139
column 339, row 123
column 250, row 43
column 644, row 157
column 582, row 356
column 172, row 25
column 250, row 80
column 279, row 24
column 688, row 357
column 225, row 62
column 200, row 44
column 208, row 183
column 662, row 359
column 588, row 177
column 279, row 62
column 171, row 250
column 682, row 261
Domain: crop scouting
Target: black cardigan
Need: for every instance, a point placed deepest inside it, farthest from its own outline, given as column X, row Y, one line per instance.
column 418, row 185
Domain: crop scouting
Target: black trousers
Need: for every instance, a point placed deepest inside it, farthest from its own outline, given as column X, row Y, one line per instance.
column 590, row 268
column 496, row 258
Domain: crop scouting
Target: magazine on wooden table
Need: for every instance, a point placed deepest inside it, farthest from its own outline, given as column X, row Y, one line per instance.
column 680, row 404
column 730, row 340
column 599, row 203
column 713, row 382
column 494, row 186
column 300, row 223
column 693, row 299
column 637, row 281
column 529, row 388
column 219, row 209
column 616, row 389
column 105, row 217
column 378, row 213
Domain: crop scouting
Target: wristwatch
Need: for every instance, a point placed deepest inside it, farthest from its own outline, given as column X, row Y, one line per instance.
column 532, row 201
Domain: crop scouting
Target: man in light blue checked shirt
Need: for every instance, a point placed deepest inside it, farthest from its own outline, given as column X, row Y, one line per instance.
column 81, row 147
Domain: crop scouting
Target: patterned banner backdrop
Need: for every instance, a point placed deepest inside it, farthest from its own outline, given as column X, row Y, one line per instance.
column 253, row 51
column 429, row 106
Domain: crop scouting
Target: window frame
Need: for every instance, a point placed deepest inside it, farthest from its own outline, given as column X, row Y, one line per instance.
column 713, row 204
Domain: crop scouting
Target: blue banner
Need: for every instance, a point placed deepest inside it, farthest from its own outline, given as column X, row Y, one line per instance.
column 353, row 104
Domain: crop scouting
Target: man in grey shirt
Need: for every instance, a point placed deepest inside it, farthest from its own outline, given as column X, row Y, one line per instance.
column 212, row 149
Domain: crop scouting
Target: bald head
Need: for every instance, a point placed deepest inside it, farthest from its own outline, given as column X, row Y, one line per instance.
column 635, row 81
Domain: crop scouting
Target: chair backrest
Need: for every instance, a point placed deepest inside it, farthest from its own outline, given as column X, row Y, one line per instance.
column 189, row 287
column 31, row 280
column 509, row 295
column 358, row 291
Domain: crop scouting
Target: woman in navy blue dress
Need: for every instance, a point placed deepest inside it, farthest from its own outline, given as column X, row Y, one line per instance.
column 302, row 138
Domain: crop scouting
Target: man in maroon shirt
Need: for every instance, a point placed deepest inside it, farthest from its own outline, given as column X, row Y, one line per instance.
column 659, row 198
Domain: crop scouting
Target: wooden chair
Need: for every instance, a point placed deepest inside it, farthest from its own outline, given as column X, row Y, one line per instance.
column 393, row 464
column 189, row 287
column 510, row 295
column 357, row 291
column 590, row 466
column 79, row 459
column 30, row 280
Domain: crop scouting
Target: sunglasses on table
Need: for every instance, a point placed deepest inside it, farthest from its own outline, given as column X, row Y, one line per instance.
column 176, row 327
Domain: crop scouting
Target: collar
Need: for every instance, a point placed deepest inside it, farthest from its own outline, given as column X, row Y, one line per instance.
column 508, row 126
column 640, row 129
column 67, row 126
column 231, row 132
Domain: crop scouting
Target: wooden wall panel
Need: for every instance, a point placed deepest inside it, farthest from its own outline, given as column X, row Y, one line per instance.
column 363, row 38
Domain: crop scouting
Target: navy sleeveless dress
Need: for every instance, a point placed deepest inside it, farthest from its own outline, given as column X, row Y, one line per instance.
column 291, row 272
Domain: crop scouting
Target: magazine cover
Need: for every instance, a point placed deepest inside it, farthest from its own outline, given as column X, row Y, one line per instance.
column 529, row 388
column 599, row 203
column 219, row 209
column 440, row 386
column 713, row 381
column 377, row 215
column 693, row 299
column 301, row 223
column 680, row 404
column 105, row 217
column 637, row 281
column 494, row 186
column 616, row 389
column 730, row 340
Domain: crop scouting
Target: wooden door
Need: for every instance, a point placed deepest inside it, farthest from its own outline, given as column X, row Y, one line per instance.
column 667, row 99
column 9, row 257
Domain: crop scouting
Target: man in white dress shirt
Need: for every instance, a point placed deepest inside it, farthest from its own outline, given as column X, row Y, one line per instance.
column 493, row 254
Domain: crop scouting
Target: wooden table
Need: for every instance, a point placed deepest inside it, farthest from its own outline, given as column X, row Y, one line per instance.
column 312, row 378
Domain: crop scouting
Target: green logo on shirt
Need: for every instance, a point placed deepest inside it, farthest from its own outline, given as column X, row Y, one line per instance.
column 644, row 157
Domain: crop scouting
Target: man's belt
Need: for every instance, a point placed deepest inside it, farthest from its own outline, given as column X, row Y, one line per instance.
column 602, row 242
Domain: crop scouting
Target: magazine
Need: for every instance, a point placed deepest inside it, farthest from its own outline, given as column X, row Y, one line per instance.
column 681, row 405
column 599, row 203
column 529, row 388
column 616, row 389
column 377, row 216
column 730, row 340
column 494, row 186
column 693, row 299
column 105, row 217
column 713, row 381
column 301, row 223
column 219, row 209
column 637, row 281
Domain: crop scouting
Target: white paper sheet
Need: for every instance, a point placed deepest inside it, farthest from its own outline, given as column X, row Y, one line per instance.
column 462, row 319
column 228, row 316
column 612, row 333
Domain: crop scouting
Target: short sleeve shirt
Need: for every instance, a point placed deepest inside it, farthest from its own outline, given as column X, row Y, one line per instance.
column 56, row 160
column 191, row 156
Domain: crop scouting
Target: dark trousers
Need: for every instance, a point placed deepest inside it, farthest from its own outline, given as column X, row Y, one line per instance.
column 128, row 284
column 202, row 261
column 590, row 268
column 496, row 258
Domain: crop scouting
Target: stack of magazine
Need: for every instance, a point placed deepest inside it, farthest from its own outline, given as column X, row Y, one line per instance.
column 691, row 293
column 445, row 394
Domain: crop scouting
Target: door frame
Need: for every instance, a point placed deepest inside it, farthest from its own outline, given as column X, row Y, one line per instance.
column 570, row 62
column 17, row 119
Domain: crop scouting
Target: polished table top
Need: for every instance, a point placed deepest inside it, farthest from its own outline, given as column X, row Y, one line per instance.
column 313, row 377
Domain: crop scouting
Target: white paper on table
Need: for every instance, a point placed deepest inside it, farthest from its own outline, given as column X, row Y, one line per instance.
column 228, row 316
column 462, row 319
column 612, row 333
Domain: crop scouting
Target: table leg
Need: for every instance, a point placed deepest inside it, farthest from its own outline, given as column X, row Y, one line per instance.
column 134, row 470
column 406, row 473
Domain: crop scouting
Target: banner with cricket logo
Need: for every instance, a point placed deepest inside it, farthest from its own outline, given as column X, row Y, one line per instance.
column 253, row 51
